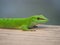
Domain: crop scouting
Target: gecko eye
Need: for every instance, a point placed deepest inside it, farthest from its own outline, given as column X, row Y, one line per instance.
column 40, row 19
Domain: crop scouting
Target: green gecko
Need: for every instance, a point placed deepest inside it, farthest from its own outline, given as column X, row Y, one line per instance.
column 23, row 23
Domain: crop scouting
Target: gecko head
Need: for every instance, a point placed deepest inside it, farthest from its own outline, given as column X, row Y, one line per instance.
column 39, row 19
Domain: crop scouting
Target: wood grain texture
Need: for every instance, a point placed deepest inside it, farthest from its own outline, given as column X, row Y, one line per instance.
column 44, row 35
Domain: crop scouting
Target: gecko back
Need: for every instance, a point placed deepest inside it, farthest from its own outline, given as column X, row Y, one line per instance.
column 10, row 22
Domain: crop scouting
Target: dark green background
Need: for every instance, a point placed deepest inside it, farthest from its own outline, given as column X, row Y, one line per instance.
column 25, row 8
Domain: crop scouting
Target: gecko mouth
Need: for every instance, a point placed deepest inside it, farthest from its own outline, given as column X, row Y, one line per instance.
column 40, row 19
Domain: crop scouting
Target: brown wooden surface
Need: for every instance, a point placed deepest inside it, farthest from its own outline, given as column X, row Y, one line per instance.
column 45, row 35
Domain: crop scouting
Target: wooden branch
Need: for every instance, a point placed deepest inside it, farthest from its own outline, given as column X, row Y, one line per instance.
column 44, row 35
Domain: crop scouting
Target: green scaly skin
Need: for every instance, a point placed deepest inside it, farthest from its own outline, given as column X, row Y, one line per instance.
column 22, row 23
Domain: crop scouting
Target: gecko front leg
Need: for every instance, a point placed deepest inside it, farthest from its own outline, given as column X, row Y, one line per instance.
column 24, row 28
column 33, row 27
